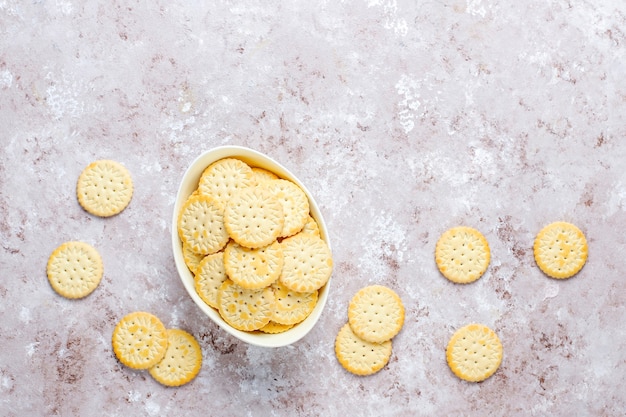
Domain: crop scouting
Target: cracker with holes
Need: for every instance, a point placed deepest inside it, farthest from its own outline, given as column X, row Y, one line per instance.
column 376, row 313
column 222, row 179
column 311, row 227
column 291, row 307
column 308, row 263
column 253, row 268
column 295, row 205
column 104, row 188
column 560, row 250
column 201, row 225
column 254, row 217
column 192, row 259
column 243, row 309
column 74, row 269
column 139, row 340
column 474, row 352
column 359, row 356
column 182, row 360
column 462, row 254
column 210, row 276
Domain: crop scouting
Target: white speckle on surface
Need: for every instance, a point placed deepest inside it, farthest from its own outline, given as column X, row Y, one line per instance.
column 134, row 396
column 6, row 79
column 25, row 315
column 152, row 408
column 31, row 348
column 409, row 90
column 551, row 291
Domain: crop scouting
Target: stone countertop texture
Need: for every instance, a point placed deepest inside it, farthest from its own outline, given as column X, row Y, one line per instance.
column 403, row 118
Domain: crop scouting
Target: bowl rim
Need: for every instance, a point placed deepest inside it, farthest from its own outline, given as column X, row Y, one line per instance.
column 187, row 184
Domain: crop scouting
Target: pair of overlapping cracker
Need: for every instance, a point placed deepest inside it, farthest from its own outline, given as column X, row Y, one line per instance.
column 253, row 247
column 74, row 269
column 375, row 316
column 172, row 356
column 462, row 254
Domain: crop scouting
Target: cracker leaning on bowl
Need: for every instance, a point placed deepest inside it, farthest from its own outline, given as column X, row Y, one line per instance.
column 270, row 221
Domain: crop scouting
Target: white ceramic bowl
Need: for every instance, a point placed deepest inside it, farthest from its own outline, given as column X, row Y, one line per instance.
column 188, row 184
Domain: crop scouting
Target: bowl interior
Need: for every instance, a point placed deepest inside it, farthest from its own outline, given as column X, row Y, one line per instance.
column 188, row 184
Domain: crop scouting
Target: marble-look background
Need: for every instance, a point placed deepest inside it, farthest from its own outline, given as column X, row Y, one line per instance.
column 404, row 118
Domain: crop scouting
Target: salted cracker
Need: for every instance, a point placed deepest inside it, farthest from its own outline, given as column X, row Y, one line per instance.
column 254, row 217
column 462, row 254
column 243, row 309
column 201, row 225
column 192, row 259
column 307, row 264
column 104, row 188
column 139, row 340
column 253, row 268
column 291, row 307
column 376, row 313
column 295, row 205
column 210, row 276
column 560, row 250
column 74, row 269
column 311, row 227
column 223, row 178
column 474, row 352
column 182, row 360
column 359, row 356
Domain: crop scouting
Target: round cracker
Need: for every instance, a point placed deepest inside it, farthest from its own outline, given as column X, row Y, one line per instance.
column 560, row 250
column 223, row 178
column 311, row 227
column 201, row 225
column 359, row 356
column 253, row 268
column 376, row 313
column 245, row 309
column 104, row 188
column 291, row 307
column 254, row 217
column 139, row 340
column 474, row 352
column 307, row 264
column 74, row 269
column 192, row 259
column 462, row 254
column 210, row 276
column 295, row 205
column 182, row 360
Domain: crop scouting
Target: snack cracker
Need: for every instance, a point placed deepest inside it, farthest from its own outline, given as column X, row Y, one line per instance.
column 358, row 356
column 560, row 250
column 139, row 340
column 104, row 188
column 182, row 360
column 74, row 269
column 376, row 313
column 474, row 352
column 462, row 254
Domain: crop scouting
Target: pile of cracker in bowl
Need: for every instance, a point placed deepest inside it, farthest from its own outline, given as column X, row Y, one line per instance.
column 253, row 248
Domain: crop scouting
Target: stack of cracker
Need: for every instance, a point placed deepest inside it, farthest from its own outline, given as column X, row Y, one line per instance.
column 253, row 247
column 375, row 316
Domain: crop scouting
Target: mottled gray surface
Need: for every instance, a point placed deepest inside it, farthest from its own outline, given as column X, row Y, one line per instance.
column 403, row 118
